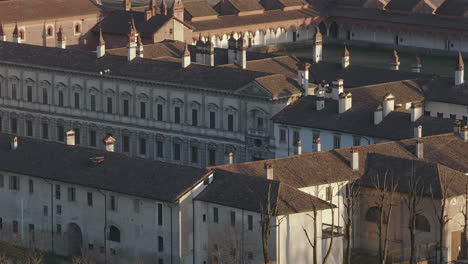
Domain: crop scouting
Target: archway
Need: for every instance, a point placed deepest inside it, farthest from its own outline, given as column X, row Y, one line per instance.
column 75, row 240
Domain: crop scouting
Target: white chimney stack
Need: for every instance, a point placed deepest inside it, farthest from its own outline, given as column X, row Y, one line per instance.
column 70, row 137
column 378, row 115
column 241, row 53
column 231, row 158
column 320, row 103
column 416, row 66
column 457, row 126
column 200, row 50
column 354, row 159
column 345, row 59
column 419, row 148
column 16, row 35
column 139, row 48
column 388, row 104
column 109, row 142
column 61, row 40
column 460, row 70
column 2, row 33
column 395, row 61
column 317, row 52
column 132, row 42
column 209, row 53
column 101, row 48
column 268, row 167
column 317, row 144
column 232, row 49
column 299, row 147
column 464, row 133
column 345, row 102
column 416, row 111
column 186, row 59
column 14, row 143
column 418, row 131
column 303, row 76
column 337, row 88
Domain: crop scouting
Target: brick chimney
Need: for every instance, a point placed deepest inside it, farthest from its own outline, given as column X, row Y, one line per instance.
column 241, row 53
column 139, row 49
column 101, row 48
column 395, row 61
column 317, row 144
column 303, row 76
column 209, row 53
column 16, row 35
column 337, row 88
column 460, row 70
column 416, row 111
column 354, row 159
column 345, row 59
column 378, row 115
column 388, row 104
column 200, row 50
column 232, row 49
column 186, row 59
column 419, row 148
column 14, row 143
column 299, row 147
column 464, row 133
column 61, row 39
column 268, row 167
column 345, row 102
column 109, row 142
column 70, row 137
column 416, row 66
column 417, row 131
column 231, row 158
column 2, row 33
column 317, row 52
column 127, row 5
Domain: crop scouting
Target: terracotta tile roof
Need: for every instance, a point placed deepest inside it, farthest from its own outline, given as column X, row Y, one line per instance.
column 27, row 10
column 279, row 86
column 455, row 8
column 443, row 89
column 402, row 5
column 250, row 193
column 246, row 5
column 285, row 65
column 350, row 3
column 117, row 173
column 199, row 9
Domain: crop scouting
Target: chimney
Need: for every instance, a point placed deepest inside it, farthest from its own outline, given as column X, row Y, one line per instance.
column 232, row 49
column 457, row 126
column 178, row 10
column 298, row 147
column 464, row 133
column 61, row 39
column 354, row 159
column 303, row 76
column 163, row 8
column 127, row 5
column 268, row 167
column 200, row 50
column 337, row 88
column 101, row 48
column 317, row 52
column 14, row 143
column 70, row 137
column 460, row 70
column 186, row 59
column 345, row 59
column 139, row 49
column 109, row 143
column 231, row 158
column 416, row 66
column 132, row 42
column 378, row 115
column 395, row 61
column 419, row 148
column 388, row 104
column 2, row 33
column 209, row 53
column 151, row 11
column 417, row 131
column 345, row 102
column 320, row 103
column 317, row 144
column 241, row 53
column 16, row 34
column 416, row 111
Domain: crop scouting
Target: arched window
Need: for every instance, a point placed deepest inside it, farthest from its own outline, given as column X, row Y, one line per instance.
column 50, row 31
column 114, row 234
column 422, row 224
column 77, row 28
column 373, row 214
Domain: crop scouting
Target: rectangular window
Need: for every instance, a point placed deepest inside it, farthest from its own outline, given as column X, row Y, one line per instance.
column 176, row 149
column 29, row 93
column 142, row 109
column 136, row 205
column 77, row 100
column 60, row 133
column 329, row 193
column 71, row 194
column 160, row 244
column 92, row 138
column 211, row 157
column 58, row 193
column 29, row 128
column 160, row 214
column 194, row 117
column 356, row 141
column 45, row 97
column 113, row 203
column 282, row 135
column 233, row 218
column 230, row 122
column 441, row 115
column 453, row 117
column 250, row 222
column 109, row 105
column 142, row 146
column 45, row 210
column 14, row 125
column 177, row 115
column 126, row 144
column 14, row 183
column 58, row 209
column 77, row 136
column 13, row 91
column 160, row 112
column 60, row 98
column 212, row 119
column 45, row 130
column 159, row 149
column 15, row 227
column 89, row 198
column 125, row 107
column 215, row 215
column 59, row 229
column 93, row 102
column 194, row 154
column 337, row 141
column 260, row 123
column 31, row 186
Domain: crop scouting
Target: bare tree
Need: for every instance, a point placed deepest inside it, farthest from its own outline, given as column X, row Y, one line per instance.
column 350, row 205
column 440, row 208
column 82, row 260
column 413, row 201
column 384, row 201
column 268, row 211
column 33, row 257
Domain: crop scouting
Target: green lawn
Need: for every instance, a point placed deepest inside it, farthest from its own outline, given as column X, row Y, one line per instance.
column 379, row 58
